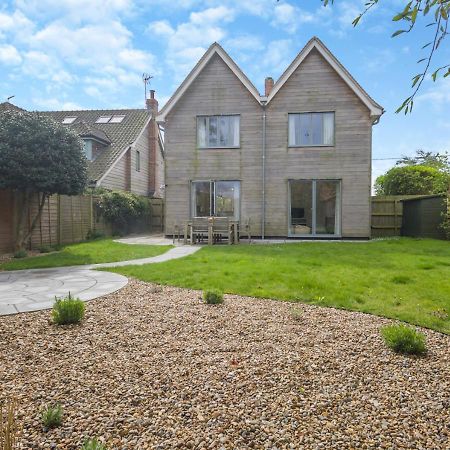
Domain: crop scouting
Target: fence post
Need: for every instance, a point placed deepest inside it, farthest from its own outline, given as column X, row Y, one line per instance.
column 59, row 214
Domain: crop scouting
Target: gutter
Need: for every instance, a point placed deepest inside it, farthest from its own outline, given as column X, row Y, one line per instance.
column 263, row 204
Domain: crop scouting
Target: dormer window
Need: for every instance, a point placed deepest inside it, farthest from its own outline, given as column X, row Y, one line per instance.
column 87, row 147
column 68, row 120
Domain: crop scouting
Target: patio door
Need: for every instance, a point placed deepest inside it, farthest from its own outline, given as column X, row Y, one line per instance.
column 314, row 207
column 215, row 198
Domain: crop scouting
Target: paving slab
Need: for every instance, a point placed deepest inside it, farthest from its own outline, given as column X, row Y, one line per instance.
column 35, row 289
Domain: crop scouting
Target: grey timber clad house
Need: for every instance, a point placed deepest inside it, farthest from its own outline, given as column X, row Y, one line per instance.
column 295, row 162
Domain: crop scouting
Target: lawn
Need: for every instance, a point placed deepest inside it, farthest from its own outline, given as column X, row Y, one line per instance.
column 100, row 251
column 407, row 279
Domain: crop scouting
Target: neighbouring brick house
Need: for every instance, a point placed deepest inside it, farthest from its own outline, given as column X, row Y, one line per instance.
column 124, row 146
column 125, row 151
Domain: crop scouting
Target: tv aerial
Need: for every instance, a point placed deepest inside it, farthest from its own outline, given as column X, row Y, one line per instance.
column 146, row 79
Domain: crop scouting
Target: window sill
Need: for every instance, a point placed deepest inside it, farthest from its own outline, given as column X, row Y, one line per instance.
column 311, row 146
column 218, row 148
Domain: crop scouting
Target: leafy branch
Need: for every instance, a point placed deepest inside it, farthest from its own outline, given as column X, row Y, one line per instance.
column 440, row 10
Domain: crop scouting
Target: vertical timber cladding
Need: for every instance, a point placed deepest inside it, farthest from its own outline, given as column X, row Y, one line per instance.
column 6, row 221
column 316, row 87
column 216, row 91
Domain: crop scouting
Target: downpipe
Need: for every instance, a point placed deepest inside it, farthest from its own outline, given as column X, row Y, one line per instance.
column 263, row 205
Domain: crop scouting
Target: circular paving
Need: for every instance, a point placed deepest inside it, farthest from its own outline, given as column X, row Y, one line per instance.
column 33, row 290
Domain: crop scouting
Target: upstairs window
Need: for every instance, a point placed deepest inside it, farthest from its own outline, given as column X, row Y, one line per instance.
column 311, row 129
column 87, row 147
column 68, row 120
column 218, row 131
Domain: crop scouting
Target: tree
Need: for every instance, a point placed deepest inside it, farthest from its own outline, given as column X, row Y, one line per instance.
column 412, row 180
column 439, row 12
column 38, row 158
column 440, row 161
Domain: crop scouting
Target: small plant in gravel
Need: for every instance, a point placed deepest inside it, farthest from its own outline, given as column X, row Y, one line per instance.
column 404, row 339
column 68, row 310
column 20, row 254
column 52, row 416
column 296, row 313
column 93, row 444
column 213, row 297
column 8, row 426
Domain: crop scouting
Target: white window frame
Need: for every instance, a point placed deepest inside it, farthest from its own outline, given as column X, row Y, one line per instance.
column 310, row 144
column 217, row 117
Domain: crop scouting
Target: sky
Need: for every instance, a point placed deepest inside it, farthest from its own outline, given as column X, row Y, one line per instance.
column 91, row 54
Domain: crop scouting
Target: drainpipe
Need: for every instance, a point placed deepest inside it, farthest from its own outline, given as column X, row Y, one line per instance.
column 263, row 204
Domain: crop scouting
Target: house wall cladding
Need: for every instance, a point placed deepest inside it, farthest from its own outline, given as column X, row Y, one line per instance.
column 64, row 220
column 215, row 91
column 314, row 86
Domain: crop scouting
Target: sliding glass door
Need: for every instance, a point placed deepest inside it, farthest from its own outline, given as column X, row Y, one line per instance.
column 314, row 207
column 215, row 198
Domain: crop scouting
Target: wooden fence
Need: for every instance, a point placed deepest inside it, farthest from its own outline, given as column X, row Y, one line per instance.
column 387, row 215
column 64, row 220
column 156, row 218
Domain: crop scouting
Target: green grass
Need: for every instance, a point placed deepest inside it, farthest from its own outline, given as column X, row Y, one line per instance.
column 104, row 250
column 406, row 279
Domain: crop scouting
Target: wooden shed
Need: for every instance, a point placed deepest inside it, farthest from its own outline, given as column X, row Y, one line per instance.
column 423, row 216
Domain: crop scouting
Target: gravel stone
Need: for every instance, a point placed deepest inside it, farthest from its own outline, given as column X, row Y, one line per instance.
column 154, row 368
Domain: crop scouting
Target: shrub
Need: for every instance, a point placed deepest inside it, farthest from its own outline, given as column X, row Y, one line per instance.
column 45, row 249
column 213, row 297
column 92, row 235
column 8, row 426
column 412, row 180
column 122, row 209
column 68, row 310
column 93, row 444
column 52, row 416
column 404, row 339
column 20, row 254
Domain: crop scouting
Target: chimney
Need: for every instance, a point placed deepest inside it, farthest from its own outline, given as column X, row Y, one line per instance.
column 152, row 107
column 152, row 103
column 268, row 85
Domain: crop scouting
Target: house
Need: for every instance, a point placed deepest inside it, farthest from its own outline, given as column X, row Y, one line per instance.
column 295, row 162
column 124, row 147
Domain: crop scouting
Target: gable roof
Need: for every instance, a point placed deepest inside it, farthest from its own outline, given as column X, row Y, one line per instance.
column 7, row 106
column 214, row 49
column 118, row 136
column 375, row 109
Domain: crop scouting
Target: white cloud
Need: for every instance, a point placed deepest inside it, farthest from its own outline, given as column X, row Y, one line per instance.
column 161, row 28
column 289, row 18
column 212, row 15
column 435, row 94
column 188, row 41
column 55, row 104
column 278, row 55
column 9, row 55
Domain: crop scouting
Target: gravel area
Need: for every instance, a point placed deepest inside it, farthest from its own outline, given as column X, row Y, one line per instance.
column 154, row 368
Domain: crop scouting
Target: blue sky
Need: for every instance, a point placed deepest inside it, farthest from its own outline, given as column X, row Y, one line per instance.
column 85, row 54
